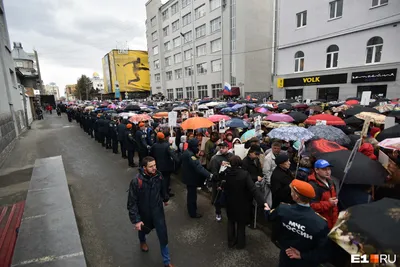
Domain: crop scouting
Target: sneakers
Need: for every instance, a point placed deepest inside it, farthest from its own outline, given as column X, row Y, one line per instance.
column 218, row 217
column 144, row 247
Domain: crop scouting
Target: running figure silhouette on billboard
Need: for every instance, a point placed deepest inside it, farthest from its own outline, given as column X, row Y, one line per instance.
column 136, row 67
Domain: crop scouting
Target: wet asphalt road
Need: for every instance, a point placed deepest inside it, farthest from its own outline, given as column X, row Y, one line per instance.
column 98, row 182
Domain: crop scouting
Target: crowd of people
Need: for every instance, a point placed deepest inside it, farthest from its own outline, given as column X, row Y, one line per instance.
column 246, row 174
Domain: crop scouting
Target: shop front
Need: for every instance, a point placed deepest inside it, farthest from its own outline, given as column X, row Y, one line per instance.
column 375, row 81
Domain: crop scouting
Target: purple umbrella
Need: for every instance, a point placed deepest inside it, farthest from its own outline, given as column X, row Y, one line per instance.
column 279, row 118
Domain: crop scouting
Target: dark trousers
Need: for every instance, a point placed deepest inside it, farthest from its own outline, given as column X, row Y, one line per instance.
column 123, row 149
column 142, row 155
column 236, row 234
column 167, row 180
column 191, row 200
column 115, row 145
column 102, row 140
column 216, row 199
column 108, row 141
column 131, row 154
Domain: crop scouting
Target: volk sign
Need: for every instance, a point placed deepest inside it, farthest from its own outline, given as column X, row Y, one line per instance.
column 316, row 80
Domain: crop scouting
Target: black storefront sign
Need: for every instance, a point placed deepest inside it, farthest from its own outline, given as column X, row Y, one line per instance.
column 316, row 80
column 374, row 76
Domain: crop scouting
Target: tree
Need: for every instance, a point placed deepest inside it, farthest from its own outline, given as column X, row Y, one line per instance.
column 83, row 87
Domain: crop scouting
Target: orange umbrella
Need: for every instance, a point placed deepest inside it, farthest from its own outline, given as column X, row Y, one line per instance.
column 136, row 118
column 196, row 123
column 160, row 115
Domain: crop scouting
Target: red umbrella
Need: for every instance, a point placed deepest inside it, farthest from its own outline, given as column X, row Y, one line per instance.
column 352, row 102
column 329, row 119
column 323, row 146
column 218, row 117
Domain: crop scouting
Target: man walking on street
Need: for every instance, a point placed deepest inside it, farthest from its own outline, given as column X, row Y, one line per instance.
column 129, row 144
column 147, row 194
column 141, row 140
column 121, row 128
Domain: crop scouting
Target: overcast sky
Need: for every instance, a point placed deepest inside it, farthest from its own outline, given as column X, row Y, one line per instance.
column 72, row 36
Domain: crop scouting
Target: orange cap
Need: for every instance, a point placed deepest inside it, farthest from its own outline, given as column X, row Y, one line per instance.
column 129, row 126
column 160, row 135
column 303, row 188
column 141, row 124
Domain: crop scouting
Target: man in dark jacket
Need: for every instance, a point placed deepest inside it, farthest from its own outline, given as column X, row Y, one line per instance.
column 112, row 131
column 101, row 129
column 147, row 194
column 193, row 176
column 121, row 128
column 141, row 140
column 165, row 159
column 302, row 233
column 280, row 180
column 130, row 143
column 251, row 163
column 215, row 165
column 107, row 132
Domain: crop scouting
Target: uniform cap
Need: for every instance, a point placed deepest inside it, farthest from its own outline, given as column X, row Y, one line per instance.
column 321, row 163
column 141, row 124
column 303, row 188
column 160, row 135
column 281, row 158
column 129, row 126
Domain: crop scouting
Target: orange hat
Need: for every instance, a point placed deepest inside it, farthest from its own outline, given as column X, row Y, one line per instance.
column 141, row 124
column 160, row 135
column 303, row 188
column 129, row 126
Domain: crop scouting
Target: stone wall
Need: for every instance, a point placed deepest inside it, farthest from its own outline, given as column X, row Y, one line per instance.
column 7, row 136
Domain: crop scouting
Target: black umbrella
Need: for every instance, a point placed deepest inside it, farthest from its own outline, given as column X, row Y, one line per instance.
column 391, row 132
column 363, row 170
column 354, row 121
column 286, row 106
column 298, row 116
column 132, row 108
column 358, row 109
column 394, row 113
column 377, row 102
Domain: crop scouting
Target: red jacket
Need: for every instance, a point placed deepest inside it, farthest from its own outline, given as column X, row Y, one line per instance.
column 368, row 150
column 321, row 202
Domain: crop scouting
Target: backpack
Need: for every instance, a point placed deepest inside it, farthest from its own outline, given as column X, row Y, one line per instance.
column 140, row 181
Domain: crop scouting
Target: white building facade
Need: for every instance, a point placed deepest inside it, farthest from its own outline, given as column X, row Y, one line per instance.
column 337, row 49
column 97, row 83
column 52, row 89
column 195, row 46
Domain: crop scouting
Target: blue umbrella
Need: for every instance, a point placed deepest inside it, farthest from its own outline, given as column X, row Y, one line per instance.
column 236, row 123
column 238, row 106
column 292, row 133
column 226, row 110
column 248, row 135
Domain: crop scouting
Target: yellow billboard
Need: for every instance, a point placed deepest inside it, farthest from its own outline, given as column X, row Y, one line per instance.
column 130, row 70
column 106, row 74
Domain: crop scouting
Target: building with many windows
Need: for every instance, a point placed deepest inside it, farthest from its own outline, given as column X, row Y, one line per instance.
column 337, row 49
column 195, row 46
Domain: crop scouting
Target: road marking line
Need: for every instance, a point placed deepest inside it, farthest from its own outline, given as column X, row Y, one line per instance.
column 48, row 259
column 34, row 217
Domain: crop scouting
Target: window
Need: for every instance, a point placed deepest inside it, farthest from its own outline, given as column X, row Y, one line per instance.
column 174, row 9
column 202, row 68
column 177, row 58
column 203, row 92
column 336, row 9
column 200, row 12
column 201, row 31
column 177, row 42
column 167, row 46
column 374, row 50
column 233, row 25
column 185, row 3
column 175, row 25
column 188, row 54
column 201, row 50
column 179, row 93
column 187, row 37
column 215, row 45
column 157, row 77
column 153, row 21
column 168, row 75
column 332, row 56
column 215, row 25
column 216, row 65
column 294, row 93
column 170, row 94
column 328, row 93
column 156, row 64
column 376, row 3
column 166, row 31
column 178, row 74
column 154, row 36
column 299, row 61
column 190, row 92
column 214, row 4
column 186, row 19
column 168, row 61
column 301, row 19
column 165, row 15
column 155, row 50
column 188, row 71
column 216, row 90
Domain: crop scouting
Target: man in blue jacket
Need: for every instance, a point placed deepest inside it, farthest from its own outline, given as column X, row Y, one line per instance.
column 147, row 194
column 302, row 235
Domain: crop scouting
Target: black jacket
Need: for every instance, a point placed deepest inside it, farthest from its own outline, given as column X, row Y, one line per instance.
column 145, row 203
column 280, row 190
column 141, row 140
column 112, row 129
column 239, row 191
column 129, row 140
column 121, row 131
column 193, row 173
column 253, row 167
column 164, row 155
column 107, row 127
column 101, row 127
